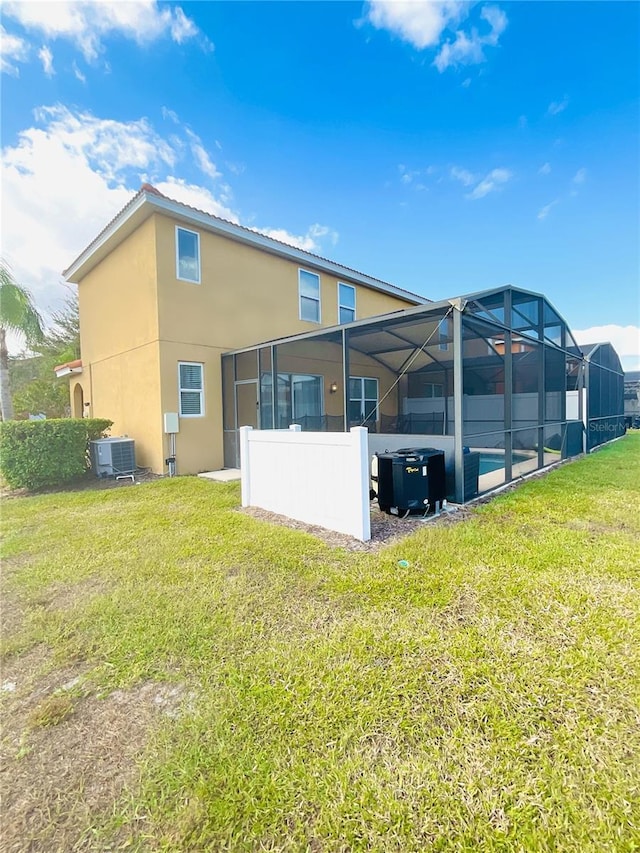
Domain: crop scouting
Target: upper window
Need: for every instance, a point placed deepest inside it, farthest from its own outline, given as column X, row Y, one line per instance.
column 187, row 255
column 191, row 389
column 432, row 389
column 309, row 296
column 346, row 303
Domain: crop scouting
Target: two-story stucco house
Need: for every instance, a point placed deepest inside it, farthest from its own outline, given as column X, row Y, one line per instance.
column 165, row 289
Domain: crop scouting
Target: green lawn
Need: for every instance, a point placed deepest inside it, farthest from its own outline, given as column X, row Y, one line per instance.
column 486, row 698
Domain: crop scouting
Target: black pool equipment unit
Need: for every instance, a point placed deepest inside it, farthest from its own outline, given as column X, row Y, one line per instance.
column 411, row 480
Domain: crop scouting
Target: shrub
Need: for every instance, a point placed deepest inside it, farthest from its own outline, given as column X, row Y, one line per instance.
column 36, row 454
column 97, row 428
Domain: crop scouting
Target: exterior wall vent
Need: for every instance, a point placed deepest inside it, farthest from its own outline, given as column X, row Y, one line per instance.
column 111, row 457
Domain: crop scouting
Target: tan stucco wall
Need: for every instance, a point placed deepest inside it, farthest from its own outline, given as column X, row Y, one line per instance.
column 325, row 359
column 119, row 343
column 199, row 442
column 118, row 304
column 138, row 320
column 126, row 389
column 246, row 296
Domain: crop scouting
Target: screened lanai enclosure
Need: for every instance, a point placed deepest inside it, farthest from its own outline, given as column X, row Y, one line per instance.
column 604, row 382
column 495, row 379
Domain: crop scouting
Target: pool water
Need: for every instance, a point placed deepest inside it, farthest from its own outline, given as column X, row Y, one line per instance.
column 495, row 461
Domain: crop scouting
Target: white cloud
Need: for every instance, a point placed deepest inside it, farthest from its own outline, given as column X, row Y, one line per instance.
column 196, row 196
column 170, row 114
column 201, row 156
column 14, row 49
column 625, row 339
column 466, row 83
column 87, row 22
column 556, row 107
column 463, row 175
column 545, row 169
column 580, row 176
column 407, row 175
column 490, row 183
column 79, row 75
column 71, row 172
column 523, row 122
column 110, row 147
column 423, row 23
column 46, row 57
column 415, row 177
column 469, row 49
column 419, row 23
column 309, row 242
column 497, row 20
column 234, row 168
column 546, row 210
column 462, row 51
column 181, row 27
column 62, row 181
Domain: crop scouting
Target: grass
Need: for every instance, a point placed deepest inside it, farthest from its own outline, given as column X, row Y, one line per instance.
column 484, row 697
column 52, row 711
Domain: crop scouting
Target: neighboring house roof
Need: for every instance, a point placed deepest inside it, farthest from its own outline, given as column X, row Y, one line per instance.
column 632, row 376
column 149, row 200
column 608, row 358
column 588, row 349
column 68, row 367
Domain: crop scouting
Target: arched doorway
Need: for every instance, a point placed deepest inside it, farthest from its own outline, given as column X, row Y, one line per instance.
column 78, row 401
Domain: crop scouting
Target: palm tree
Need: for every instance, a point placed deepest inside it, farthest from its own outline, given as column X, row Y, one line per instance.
column 17, row 314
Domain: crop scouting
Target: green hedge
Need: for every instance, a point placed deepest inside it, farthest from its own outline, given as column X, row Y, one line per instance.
column 36, row 454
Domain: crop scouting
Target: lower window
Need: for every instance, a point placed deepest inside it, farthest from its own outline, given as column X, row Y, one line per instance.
column 299, row 400
column 363, row 400
column 190, row 389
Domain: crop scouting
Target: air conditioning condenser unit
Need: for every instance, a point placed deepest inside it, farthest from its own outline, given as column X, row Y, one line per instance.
column 111, row 457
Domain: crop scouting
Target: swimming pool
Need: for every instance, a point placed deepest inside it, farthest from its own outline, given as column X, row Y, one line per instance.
column 494, row 460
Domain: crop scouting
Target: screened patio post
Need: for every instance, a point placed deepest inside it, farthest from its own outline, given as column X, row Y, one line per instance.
column 274, row 387
column 458, row 437
column 587, row 398
column 541, row 382
column 508, row 389
column 345, row 377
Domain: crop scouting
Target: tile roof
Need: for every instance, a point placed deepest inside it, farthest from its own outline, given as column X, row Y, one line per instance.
column 70, row 364
column 149, row 189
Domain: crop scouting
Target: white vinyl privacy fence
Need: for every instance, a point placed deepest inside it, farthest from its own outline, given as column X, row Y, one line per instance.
column 317, row 477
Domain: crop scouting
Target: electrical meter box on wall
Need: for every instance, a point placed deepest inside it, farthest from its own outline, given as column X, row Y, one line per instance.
column 171, row 422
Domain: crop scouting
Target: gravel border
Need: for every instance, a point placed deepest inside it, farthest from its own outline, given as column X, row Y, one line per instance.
column 385, row 529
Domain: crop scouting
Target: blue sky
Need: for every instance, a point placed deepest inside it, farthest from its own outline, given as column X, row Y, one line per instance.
column 445, row 147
